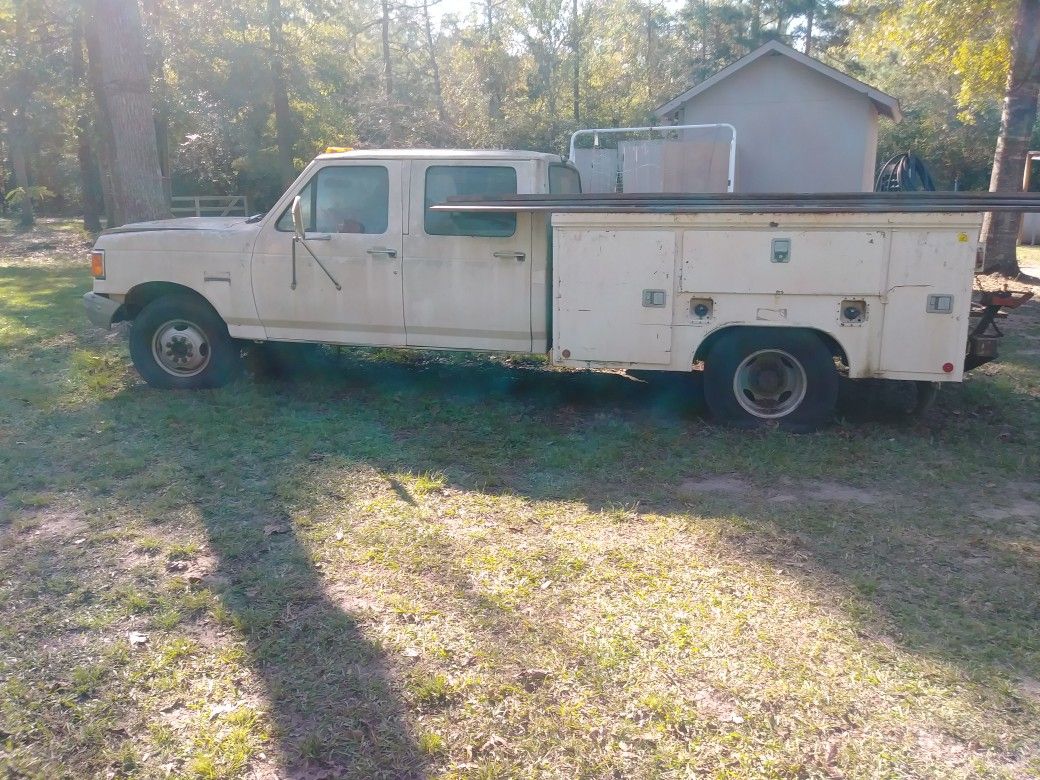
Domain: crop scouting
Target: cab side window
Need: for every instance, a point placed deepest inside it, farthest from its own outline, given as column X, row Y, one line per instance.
column 564, row 180
column 444, row 181
column 344, row 199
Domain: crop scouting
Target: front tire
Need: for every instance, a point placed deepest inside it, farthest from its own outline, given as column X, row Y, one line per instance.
column 757, row 376
column 179, row 342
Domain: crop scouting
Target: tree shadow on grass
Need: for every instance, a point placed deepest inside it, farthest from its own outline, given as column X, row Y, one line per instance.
column 330, row 695
column 330, row 698
column 333, row 705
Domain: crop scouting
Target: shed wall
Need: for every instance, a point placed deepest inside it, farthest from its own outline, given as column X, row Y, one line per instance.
column 797, row 130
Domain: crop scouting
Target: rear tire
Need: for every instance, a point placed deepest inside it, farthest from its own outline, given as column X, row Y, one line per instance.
column 754, row 377
column 179, row 342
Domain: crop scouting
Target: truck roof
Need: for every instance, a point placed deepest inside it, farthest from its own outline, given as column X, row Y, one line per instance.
column 442, row 154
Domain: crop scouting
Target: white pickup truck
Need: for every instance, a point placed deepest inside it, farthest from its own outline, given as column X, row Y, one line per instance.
column 361, row 250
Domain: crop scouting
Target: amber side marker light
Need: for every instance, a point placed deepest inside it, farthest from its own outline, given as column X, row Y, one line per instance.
column 97, row 263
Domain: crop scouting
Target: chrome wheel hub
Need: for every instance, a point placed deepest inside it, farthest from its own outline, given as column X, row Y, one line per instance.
column 181, row 348
column 770, row 383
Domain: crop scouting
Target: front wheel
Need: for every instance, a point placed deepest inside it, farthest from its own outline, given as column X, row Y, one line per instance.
column 757, row 376
column 179, row 342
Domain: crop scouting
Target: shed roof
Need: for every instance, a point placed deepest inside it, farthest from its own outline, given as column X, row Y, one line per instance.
column 885, row 104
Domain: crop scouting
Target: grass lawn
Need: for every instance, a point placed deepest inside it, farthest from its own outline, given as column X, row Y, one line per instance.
column 410, row 565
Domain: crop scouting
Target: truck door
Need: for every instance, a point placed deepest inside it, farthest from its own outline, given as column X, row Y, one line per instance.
column 352, row 217
column 467, row 276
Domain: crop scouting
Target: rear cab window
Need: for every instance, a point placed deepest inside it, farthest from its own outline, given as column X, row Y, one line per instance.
column 445, row 181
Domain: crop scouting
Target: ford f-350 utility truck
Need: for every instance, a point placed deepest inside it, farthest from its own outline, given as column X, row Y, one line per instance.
column 772, row 296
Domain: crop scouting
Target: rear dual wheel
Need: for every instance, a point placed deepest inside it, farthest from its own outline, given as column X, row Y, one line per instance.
column 757, row 376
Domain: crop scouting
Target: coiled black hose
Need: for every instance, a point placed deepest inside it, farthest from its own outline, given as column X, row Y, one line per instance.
column 904, row 173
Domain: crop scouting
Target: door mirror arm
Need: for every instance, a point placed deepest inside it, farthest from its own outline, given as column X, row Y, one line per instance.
column 300, row 237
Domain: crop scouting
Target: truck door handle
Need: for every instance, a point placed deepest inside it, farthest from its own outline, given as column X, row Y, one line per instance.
column 518, row 256
column 382, row 250
column 317, row 236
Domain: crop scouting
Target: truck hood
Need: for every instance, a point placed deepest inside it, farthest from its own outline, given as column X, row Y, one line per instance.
column 182, row 223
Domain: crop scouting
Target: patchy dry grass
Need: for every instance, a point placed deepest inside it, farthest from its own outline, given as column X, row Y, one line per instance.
column 404, row 565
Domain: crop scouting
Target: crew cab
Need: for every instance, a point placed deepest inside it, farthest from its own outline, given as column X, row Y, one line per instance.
column 365, row 248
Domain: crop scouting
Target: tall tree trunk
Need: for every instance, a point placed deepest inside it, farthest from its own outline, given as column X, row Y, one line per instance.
column 123, row 71
column 155, row 12
column 649, row 51
column 388, row 71
column 550, row 92
column 89, row 175
column 435, row 71
column 1000, row 230
column 103, row 125
column 18, row 124
column 576, row 52
column 494, row 86
column 810, row 14
column 283, row 119
column 705, row 19
column 20, row 161
column 756, row 22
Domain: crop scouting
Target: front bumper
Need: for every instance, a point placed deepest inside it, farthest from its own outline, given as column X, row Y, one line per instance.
column 100, row 310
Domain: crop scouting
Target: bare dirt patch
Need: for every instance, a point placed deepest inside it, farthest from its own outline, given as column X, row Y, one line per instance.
column 719, row 484
column 788, row 491
column 840, row 493
column 941, row 747
column 178, row 717
column 361, row 606
column 1018, row 501
column 1029, row 689
column 710, row 703
column 1018, row 508
column 58, row 524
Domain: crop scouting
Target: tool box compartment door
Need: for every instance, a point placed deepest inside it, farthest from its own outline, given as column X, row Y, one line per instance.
column 826, row 261
column 613, row 295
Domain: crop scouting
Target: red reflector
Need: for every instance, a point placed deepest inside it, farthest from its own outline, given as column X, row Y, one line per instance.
column 948, row 368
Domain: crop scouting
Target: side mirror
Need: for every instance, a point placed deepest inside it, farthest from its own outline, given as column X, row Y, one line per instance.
column 297, row 217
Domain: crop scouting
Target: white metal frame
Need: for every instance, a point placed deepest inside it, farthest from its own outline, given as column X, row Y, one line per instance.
column 595, row 132
column 209, row 205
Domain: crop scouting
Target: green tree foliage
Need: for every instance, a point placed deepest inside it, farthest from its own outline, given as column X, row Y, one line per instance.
column 37, row 100
column 947, row 60
column 968, row 39
column 493, row 73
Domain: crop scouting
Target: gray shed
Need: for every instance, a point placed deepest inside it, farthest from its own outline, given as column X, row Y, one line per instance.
column 802, row 126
